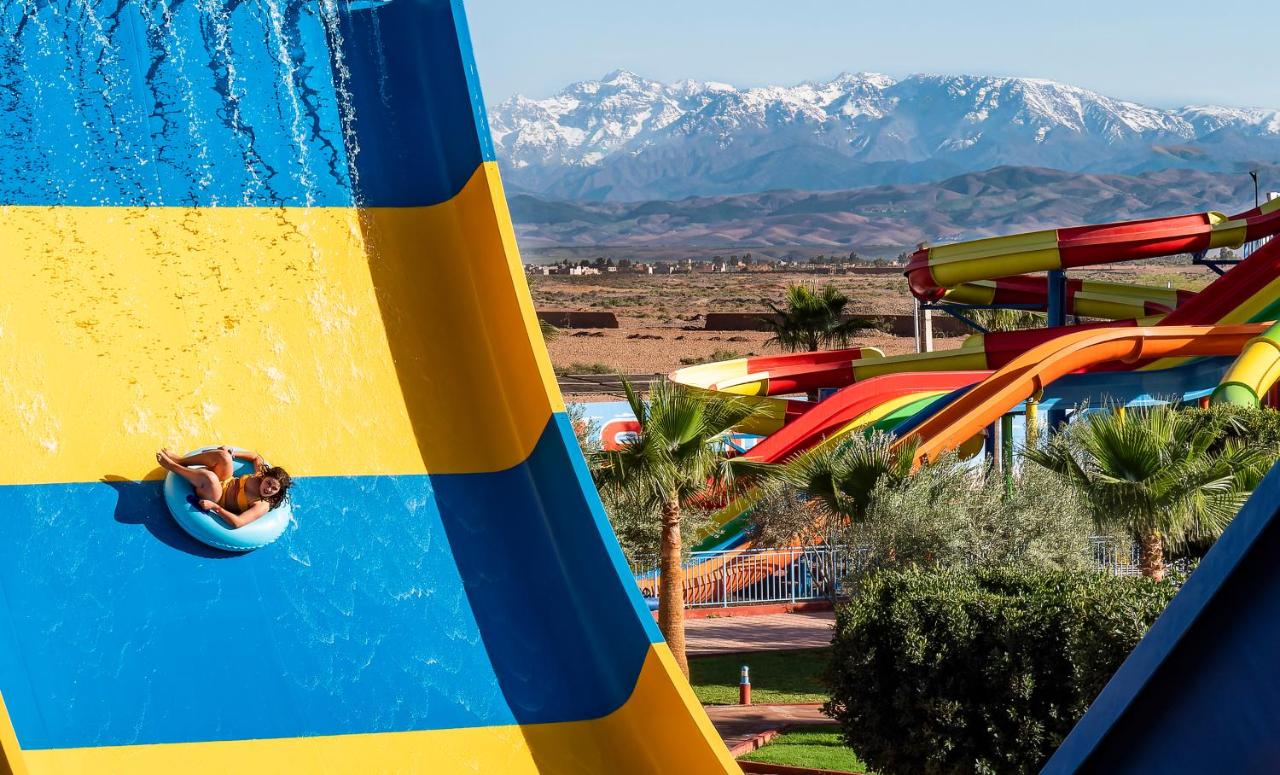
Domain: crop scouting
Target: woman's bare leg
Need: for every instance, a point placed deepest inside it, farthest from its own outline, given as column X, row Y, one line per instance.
column 216, row 460
column 206, row 483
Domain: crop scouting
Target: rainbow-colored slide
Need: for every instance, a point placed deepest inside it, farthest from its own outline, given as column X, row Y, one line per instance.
column 903, row 393
column 279, row 225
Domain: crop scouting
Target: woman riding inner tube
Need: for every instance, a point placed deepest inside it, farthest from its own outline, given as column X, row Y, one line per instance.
column 239, row 501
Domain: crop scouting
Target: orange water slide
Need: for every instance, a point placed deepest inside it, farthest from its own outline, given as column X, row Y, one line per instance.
column 1028, row 373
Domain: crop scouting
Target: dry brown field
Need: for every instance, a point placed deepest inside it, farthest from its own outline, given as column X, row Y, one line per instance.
column 661, row 316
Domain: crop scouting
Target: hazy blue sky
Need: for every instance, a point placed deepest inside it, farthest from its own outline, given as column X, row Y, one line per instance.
column 1167, row 53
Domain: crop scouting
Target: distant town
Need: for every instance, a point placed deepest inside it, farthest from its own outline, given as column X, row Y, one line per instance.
column 850, row 263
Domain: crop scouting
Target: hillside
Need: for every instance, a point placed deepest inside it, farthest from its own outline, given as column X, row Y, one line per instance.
column 888, row 217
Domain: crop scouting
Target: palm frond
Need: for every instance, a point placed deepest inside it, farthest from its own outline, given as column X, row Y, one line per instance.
column 679, row 451
column 1154, row 470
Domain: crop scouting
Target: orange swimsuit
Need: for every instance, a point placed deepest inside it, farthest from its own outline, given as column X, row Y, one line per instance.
column 234, row 496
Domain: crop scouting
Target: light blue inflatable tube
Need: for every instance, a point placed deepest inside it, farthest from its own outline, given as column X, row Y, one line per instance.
column 206, row 528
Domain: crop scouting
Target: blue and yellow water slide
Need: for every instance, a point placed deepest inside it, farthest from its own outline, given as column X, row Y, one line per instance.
column 278, row 224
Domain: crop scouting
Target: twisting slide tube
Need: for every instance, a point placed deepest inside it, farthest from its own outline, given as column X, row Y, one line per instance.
column 1087, row 298
column 1253, row 373
column 1039, row 366
column 934, row 269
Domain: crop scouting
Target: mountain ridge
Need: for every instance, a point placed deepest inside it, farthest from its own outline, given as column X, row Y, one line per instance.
column 625, row 137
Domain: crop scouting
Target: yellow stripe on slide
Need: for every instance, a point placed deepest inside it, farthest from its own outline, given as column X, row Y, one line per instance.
column 1125, row 290
column 882, row 411
column 754, row 384
column 953, row 264
column 738, row 505
column 637, row 738
column 1227, row 234
column 977, row 292
column 1247, row 311
column 1256, row 367
column 11, row 762
column 126, row 329
column 1097, row 305
column 705, row 375
column 969, row 357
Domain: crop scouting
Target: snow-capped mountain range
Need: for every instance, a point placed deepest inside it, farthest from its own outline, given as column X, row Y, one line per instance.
column 626, row 138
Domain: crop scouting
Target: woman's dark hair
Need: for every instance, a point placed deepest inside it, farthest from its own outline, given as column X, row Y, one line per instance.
column 281, row 476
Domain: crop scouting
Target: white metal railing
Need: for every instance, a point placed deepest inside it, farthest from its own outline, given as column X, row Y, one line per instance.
column 1249, row 247
column 802, row 573
column 1120, row 560
column 753, row 576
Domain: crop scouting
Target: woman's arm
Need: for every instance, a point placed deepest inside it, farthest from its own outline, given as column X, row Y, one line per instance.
column 236, row 520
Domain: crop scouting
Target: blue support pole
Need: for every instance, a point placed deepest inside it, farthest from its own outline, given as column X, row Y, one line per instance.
column 1057, row 301
column 1056, row 306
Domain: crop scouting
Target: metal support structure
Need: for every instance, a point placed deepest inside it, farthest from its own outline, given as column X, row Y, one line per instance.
column 1057, row 309
column 954, row 311
column 1033, row 420
column 1056, row 298
column 993, row 444
column 1201, row 258
column 923, row 327
column 1006, row 453
column 957, row 311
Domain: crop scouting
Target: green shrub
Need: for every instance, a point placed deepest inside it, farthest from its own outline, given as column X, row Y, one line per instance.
column 718, row 355
column 637, row 524
column 585, row 429
column 584, row 368
column 947, row 515
column 982, row 670
column 1260, row 424
column 549, row 332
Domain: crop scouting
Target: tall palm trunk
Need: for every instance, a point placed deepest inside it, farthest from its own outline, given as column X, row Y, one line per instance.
column 671, row 592
column 1151, row 555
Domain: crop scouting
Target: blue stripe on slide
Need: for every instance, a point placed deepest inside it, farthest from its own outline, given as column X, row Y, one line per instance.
column 550, row 590
column 420, row 122
column 395, row 603
column 227, row 103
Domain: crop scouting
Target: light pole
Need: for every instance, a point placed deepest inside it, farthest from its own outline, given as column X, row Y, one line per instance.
column 1254, row 174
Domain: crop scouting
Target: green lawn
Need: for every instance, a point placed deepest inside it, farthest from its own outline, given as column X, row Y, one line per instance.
column 776, row 676
column 819, row 749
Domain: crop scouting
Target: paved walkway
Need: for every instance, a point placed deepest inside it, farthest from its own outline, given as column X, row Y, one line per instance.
column 772, row 632
column 741, row 726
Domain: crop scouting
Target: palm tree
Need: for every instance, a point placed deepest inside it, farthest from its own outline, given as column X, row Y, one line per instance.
column 677, row 455
column 819, row 493
column 1155, row 473
column 811, row 319
column 841, row 477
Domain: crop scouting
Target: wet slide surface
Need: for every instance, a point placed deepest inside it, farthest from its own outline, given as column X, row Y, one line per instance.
column 279, row 225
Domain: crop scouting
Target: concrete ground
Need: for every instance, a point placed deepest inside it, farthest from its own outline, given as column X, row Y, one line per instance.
column 772, row 632
column 746, row 727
